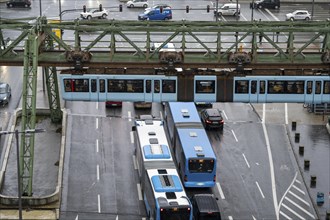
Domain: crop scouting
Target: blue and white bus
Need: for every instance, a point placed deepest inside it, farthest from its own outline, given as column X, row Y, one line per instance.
column 193, row 152
column 164, row 196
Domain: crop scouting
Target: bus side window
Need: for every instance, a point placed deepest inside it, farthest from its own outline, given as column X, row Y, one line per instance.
column 309, row 87
column 326, row 87
column 262, row 87
column 253, row 87
column 318, row 87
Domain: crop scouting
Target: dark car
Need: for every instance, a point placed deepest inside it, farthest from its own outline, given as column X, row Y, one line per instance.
column 19, row 3
column 267, row 4
column 212, row 118
column 5, row 93
column 113, row 104
column 205, row 207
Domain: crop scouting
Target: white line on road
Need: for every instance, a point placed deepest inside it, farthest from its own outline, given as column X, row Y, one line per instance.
column 161, row 115
column 288, row 208
column 97, row 145
column 97, row 105
column 76, row 218
column 299, row 207
column 230, row 217
column 220, row 191
column 132, row 137
column 301, row 200
column 117, row 217
column 298, row 189
column 97, row 172
column 134, row 162
column 260, row 190
column 99, row 203
column 254, row 218
column 129, row 116
column 139, row 191
column 275, row 18
column 247, row 163
column 297, row 181
column 286, row 113
column 232, row 131
column 224, row 113
column 263, row 112
column 287, row 217
column 97, row 123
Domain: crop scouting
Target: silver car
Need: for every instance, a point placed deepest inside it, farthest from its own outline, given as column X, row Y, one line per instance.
column 299, row 15
column 5, row 93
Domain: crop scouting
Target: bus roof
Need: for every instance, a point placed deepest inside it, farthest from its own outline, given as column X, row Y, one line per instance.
column 184, row 112
column 195, row 143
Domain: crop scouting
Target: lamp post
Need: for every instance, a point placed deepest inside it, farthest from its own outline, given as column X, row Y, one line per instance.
column 19, row 189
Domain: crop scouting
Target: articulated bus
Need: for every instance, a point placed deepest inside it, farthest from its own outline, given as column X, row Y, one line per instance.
column 164, row 195
column 194, row 155
column 199, row 88
column 162, row 190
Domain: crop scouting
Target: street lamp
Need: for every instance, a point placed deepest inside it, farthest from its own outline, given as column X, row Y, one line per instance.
column 19, row 189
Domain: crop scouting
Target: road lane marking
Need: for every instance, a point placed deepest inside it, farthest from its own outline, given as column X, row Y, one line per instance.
column 263, row 113
column 297, row 181
column 99, row 203
column 161, row 115
column 129, row 116
column 299, row 207
column 299, row 189
column 97, row 172
column 97, row 123
column 271, row 14
column 301, row 200
column 230, row 217
column 117, row 217
column 254, row 218
column 295, row 213
column 247, row 163
column 132, row 136
column 260, row 190
column 220, row 191
column 224, row 113
column 232, row 131
column 134, row 162
column 287, row 217
column 139, row 191
column 286, row 113
column 97, row 105
column 97, row 145
column 77, row 217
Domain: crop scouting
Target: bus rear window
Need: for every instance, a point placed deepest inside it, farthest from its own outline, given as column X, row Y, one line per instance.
column 174, row 213
column 201, row 165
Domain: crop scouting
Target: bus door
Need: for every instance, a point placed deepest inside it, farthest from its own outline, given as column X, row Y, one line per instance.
column 205, row 89
column 152, row 92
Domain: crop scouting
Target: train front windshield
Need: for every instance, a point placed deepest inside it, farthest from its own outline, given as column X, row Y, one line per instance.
column 175, row 213
column 201, row 165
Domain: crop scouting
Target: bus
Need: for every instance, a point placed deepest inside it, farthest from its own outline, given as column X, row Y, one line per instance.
column 193, row 152
column 164, row 195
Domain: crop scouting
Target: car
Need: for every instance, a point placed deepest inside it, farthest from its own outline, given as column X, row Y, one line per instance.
column 266, row 4
column 205, row 206
column 158, row 6
column 137, row 4
column 299, row 15
column 5, row 93
column 156, row 15
column 94, row 13
column 228, row 9
column 113, row 104
column 19, row 3
column 142, row 105
column 212, row 118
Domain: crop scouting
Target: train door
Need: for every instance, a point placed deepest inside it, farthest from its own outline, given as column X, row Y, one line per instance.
column 262, row 95
column 93, row 90
column 101, row 88
column 97, row 90
column 152, row 90
column 313, row 91
column 205, row 89
column 253, row 91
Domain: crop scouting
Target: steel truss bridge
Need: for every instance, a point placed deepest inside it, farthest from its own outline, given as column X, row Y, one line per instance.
column 112, row 44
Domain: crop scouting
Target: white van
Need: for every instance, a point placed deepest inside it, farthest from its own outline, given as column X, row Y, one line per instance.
column 229, row 9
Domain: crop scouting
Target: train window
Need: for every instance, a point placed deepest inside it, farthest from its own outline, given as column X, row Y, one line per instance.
column 286, row 87
column 156, row 86
column 81, row 85
column 102, row 85
column 326, row 87
column 205, row 86
column 318, row 87
column 253, row 86
column 241, row 86
column 262, row 87
column 93, row 85
column 168, row 86
column 119, row 85
column 67, row 85
column 148, row 86
column 309, row 87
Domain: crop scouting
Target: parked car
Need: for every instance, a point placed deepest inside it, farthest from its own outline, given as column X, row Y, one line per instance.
column 5, row 93
column 18, row 3
column 228, row 9
column 137, row 4
column 158, row 6
column 299, row 15
column 212, row 118
column 94, row 13
column 140, row 105
column 113, row 104
column 266, row 4
column 155, row 14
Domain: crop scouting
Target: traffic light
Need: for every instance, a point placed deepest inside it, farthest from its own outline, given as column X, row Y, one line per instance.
column 120, row 8
column 161, row 9
column 84, row 8
column 187, row 8
column 208, row 8
column 100, row 6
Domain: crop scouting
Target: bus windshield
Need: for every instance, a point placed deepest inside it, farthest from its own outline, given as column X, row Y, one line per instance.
column 201, row 165
column 175, row 213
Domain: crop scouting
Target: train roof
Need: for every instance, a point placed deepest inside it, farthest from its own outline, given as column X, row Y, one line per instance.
column 195, row 143
column 167, row 187
column 312, row 77
column 184, row 112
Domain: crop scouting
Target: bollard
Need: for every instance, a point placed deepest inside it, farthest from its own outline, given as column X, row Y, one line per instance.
column 306, row 164
column 301, row 150
column 296, row 137
column 313, row 180
column 294, row 126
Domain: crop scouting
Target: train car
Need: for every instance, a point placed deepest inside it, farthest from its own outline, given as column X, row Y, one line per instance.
column 164, row 195
column 262, row 89
column 194, row 155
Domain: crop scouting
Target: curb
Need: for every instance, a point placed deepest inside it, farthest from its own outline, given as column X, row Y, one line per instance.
column 34, row 201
